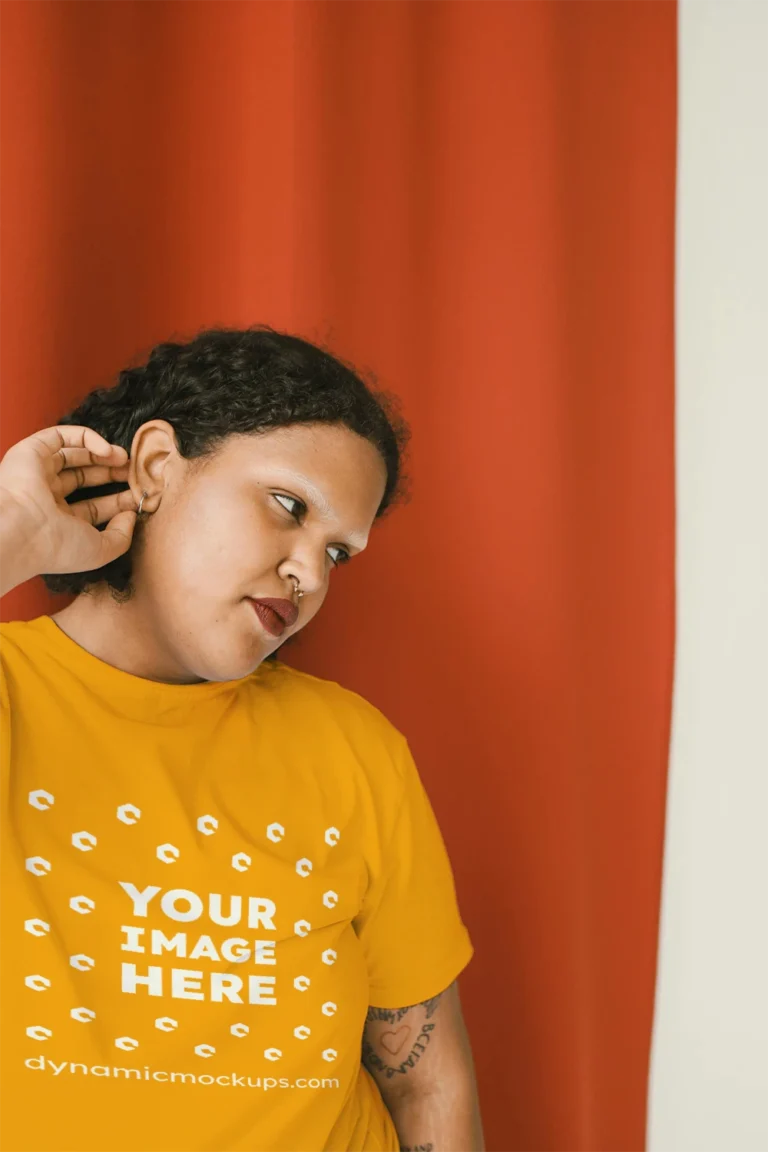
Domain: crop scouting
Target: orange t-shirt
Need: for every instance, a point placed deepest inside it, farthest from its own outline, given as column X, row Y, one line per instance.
column 204, row 887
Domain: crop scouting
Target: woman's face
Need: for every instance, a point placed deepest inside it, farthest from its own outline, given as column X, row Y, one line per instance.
column 293, row 502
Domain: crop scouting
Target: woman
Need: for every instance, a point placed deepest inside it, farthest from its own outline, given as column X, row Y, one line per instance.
column 229, row 920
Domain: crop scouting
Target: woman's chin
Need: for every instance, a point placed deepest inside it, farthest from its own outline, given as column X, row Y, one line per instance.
column 233, row 663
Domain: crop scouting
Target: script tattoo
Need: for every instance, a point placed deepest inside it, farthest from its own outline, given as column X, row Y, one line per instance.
column 395, row 1014
column 398, row 1042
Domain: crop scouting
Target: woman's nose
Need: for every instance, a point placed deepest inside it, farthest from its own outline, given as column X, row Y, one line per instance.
column 310, row 575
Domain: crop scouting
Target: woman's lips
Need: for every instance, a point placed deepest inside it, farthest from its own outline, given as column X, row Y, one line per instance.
column 269, row 618
column 275, row 615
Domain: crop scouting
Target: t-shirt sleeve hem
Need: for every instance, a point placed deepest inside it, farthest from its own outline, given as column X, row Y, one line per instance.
column 426, row 984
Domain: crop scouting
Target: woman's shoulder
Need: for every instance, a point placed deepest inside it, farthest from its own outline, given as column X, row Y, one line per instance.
column 18, row 630
column 325, row 701
column 27, row 646
column 18, row 636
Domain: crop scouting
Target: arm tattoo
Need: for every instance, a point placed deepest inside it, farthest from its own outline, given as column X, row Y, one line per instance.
column 395, row 1014
column 397, row 1041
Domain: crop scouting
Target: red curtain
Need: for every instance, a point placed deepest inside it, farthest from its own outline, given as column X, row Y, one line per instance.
column 476, row 201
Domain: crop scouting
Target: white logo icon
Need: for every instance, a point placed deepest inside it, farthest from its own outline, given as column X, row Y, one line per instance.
column 82, row 962
column 303, row 866
column 83, row 1015
column 207, row 825
column 330, row 1054
column 85, row 841
column 301, row 927
column 275, row 833
column 37, row 1032
column 82, row 904
column 301, row 983
column 128, row 813
column 239, row 1029
column 332, row 836
column 166, row 1023
column 241, row 861
column 329, row 956
column 37, row 865
column 127, row 1043
column 41, row 799
column 301, row 1032
column 37, row 983
column 167, row 853
column 330, row 898
column 205, row 1050
column 328, row 1008
column 36, row 927
column 272, row 1053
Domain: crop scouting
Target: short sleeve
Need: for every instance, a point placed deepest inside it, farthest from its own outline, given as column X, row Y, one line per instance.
column 5, row 728
column 5, row 717
column 410, row 926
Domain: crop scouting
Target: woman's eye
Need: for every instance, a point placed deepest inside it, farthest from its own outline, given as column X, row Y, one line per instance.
column 292, row 500
column 342, row 556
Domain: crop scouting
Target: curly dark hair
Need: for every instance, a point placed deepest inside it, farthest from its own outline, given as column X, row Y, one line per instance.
column 227, row 381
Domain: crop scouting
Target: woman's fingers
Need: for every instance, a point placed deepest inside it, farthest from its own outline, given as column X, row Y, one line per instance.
column 88, row 477
column 104, row 507
column 116, row 537
column 79, row 458
column 63, row 436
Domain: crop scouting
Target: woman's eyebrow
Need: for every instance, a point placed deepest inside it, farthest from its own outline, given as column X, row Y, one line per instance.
column 319, row 502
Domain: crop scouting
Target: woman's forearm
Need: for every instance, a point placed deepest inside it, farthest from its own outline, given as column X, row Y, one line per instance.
column 443, row 1120
column 16, row 561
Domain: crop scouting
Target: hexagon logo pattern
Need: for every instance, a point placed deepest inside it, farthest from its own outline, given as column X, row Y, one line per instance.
column 37, row 983
column 41, row 799
column 166, row 1023
column 82, row 962
column 129, row 814
column 82, row 904
column 83, row 1015
column 168, row 853
column 37, row 1032
column 127, row 1043
column 36, row 927
column 207, row 825
column 84, row 841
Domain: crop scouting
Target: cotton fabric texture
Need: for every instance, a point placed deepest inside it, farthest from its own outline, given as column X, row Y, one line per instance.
column 204, row 887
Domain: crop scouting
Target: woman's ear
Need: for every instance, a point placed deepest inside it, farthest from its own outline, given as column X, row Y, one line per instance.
column 154, row 458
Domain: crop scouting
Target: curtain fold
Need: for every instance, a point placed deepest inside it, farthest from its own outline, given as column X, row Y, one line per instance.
column 476, row 202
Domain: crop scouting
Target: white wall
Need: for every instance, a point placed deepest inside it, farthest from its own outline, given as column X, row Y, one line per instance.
column 709, row 1067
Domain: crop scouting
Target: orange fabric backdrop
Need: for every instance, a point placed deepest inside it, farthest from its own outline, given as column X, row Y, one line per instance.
column 476, row 201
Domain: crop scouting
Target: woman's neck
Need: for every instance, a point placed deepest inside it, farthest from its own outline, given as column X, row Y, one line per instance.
column 122, row 635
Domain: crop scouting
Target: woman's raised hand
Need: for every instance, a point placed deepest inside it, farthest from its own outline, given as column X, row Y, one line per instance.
column 39, row 531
